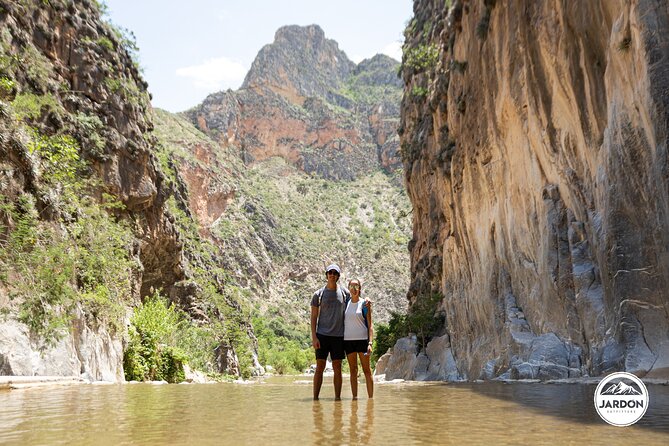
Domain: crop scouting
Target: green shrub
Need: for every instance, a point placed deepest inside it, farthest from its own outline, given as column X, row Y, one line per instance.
column 422, row 57
column 275, row 348
column 31, row 106
column 6, row 86
column 152, row 353
column 81, row 258
column 90, row 128
column 39, row 256
column 101, row 6
column 105, row 43
column 172, row 361
column 418, row 91
column 386, row 335
column 421, row 320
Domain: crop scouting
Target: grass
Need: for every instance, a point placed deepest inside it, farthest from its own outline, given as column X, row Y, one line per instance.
column 31, row 106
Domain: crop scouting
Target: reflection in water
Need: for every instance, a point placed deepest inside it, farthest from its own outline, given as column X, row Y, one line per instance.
column 362, row 424
column 280, row 411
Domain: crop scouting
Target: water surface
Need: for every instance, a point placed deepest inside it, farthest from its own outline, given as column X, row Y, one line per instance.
column 280, row 411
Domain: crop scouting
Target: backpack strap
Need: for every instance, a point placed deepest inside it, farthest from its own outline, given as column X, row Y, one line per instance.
column 345, row 297
column 365, row 312
column 320, row 296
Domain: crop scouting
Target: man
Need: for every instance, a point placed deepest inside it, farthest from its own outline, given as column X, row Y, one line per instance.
column 327, row 328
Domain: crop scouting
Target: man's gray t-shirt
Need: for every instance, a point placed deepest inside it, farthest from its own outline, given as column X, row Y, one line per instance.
column 331, row 314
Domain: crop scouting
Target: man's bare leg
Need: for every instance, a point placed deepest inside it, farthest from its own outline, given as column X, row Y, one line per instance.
column 318, row 377
column 336, row 366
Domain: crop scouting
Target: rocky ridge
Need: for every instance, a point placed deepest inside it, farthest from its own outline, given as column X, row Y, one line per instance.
column 304, row 101
column 534, row 139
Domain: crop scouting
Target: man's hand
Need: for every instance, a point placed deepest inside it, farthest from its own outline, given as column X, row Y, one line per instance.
column 368, row 303
column 316, row 343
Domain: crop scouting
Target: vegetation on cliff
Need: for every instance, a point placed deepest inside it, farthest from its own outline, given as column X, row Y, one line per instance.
column 174, row 243
column 82, row 217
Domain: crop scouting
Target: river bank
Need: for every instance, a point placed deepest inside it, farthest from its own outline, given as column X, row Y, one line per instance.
column 24, row 382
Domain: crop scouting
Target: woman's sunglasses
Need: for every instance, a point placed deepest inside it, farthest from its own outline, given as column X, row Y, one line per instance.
column 355, row 287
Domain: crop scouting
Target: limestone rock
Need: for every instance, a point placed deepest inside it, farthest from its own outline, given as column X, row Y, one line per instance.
column 226, row 359
column 442, row 365
column 402, row 361
column 435, row 363
column 382, row 364
column 533, row 137
column 90, row 353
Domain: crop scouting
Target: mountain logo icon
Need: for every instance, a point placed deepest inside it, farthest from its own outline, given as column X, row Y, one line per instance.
column 621, row 389
column 621, row 399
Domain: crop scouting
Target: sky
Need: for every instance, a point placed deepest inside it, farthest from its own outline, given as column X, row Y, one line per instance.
column 190, row 49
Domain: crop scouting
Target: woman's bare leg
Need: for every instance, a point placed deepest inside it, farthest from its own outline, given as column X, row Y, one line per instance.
column 367, row 370
column 353, row 367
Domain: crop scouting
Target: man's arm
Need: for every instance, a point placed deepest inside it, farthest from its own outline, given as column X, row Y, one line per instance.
column 370, row 330
column 314, row 320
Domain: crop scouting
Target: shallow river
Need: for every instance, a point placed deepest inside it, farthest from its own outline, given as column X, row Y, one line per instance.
column 280, row 411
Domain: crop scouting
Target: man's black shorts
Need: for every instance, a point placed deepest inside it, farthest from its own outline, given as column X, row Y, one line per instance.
column 334, row 345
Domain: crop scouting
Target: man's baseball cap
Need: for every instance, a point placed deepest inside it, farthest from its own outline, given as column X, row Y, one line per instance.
column 335, row 267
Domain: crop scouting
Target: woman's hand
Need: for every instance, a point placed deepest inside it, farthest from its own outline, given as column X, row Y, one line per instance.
column 368, row 303
column 369, row 349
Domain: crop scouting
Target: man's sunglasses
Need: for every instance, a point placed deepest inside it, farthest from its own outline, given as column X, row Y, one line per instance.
column 333, row 272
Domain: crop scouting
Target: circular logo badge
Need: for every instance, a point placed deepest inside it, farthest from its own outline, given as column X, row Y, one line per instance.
column 621, row 399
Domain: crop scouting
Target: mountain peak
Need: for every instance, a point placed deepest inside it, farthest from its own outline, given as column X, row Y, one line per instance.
column 378, row 70
column 620, row 389
column 300, row 63
column 297, row 33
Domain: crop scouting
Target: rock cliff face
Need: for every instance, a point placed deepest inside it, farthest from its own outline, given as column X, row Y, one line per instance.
column 303, row 100
column 69, row 88
column 68, row 63
column 534, row 141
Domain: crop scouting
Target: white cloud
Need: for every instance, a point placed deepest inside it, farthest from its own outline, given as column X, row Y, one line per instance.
column 215, row 74
column 393, row 50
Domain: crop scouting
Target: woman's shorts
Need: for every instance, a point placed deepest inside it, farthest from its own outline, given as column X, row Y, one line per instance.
column 357, row 346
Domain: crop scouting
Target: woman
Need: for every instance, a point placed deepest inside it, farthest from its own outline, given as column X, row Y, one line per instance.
column 358, row 336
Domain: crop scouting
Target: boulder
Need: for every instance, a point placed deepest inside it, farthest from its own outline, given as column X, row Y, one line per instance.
column 226, row 359
column 402, row 361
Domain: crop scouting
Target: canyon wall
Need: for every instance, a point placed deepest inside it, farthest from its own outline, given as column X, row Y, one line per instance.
column 77, row 149
column 534, row 141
